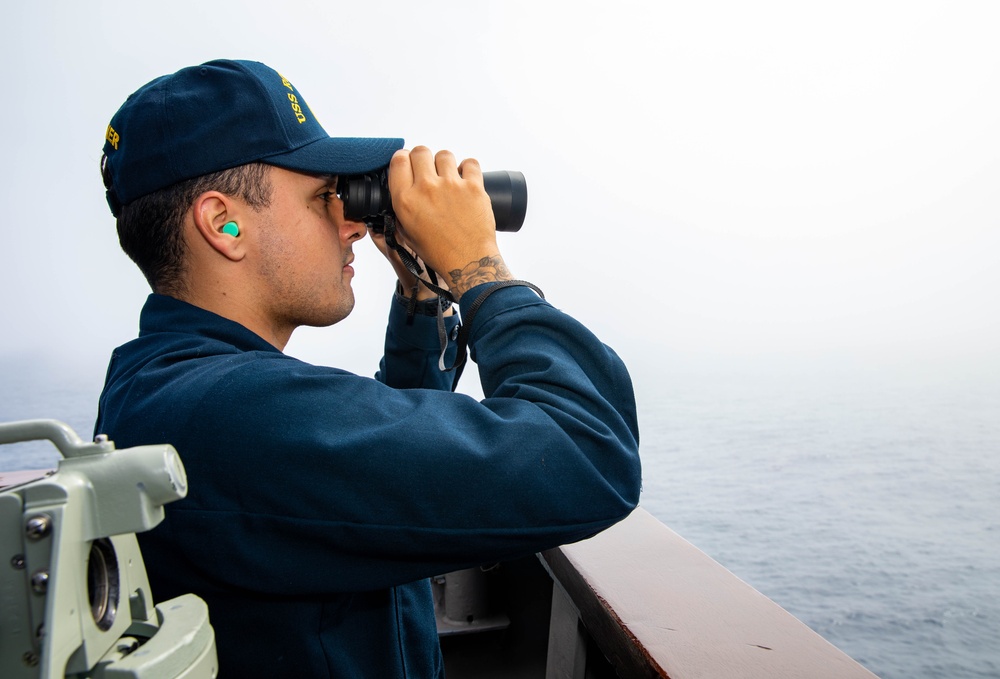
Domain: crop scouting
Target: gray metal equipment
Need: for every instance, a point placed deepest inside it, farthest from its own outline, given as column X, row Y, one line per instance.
column 74, row 596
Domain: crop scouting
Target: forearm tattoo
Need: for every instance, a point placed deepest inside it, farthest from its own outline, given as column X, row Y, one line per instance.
column 485, row 270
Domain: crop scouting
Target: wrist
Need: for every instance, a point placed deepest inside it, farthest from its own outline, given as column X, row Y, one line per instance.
column 489, row 269
column 414, row 289
column 426, row 304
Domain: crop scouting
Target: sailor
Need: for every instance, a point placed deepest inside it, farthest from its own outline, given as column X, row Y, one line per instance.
column 321, row 501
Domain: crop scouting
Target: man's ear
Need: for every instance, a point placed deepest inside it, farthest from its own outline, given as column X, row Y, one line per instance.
column 216, row 220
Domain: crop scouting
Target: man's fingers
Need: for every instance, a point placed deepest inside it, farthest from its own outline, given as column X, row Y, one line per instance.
column 400, row 171
column 469, row 169
column 422, row 161
column 445, row 164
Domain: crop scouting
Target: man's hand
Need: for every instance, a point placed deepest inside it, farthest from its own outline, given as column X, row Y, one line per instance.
column 445, row 216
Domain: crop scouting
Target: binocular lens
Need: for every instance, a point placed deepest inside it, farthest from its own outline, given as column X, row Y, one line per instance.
column 366, row 197
column 363, row 195
column 509, row 194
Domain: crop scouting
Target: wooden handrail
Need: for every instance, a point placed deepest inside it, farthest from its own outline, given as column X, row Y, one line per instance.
column 658, row 607
column 16, row 478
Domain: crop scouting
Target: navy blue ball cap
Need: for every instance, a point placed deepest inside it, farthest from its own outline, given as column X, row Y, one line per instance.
column 219, row 115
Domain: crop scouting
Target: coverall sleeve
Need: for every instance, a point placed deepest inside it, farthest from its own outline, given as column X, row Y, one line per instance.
column 358, row 484
column 413, row 349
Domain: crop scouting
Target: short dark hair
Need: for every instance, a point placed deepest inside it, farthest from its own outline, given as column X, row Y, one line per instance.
column 150, row 228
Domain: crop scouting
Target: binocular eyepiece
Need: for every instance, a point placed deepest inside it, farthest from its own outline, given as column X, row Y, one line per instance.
column 366, row 198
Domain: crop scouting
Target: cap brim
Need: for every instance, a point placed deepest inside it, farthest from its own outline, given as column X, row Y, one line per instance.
column 338, row 155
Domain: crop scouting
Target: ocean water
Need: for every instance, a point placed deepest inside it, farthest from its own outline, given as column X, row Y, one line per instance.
column 866, row 502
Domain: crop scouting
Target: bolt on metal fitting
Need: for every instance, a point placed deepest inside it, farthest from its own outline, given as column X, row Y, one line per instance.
column 38, row 527
column 40, row 582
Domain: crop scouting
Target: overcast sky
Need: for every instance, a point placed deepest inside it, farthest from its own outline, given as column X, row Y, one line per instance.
column 709, row 182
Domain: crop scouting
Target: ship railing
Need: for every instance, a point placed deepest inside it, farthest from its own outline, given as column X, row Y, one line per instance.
column 654, row 605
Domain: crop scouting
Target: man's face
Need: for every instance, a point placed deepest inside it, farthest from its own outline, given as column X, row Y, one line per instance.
column 304, row 252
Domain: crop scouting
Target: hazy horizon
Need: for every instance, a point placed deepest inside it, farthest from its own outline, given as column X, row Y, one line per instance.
column 710, row 185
